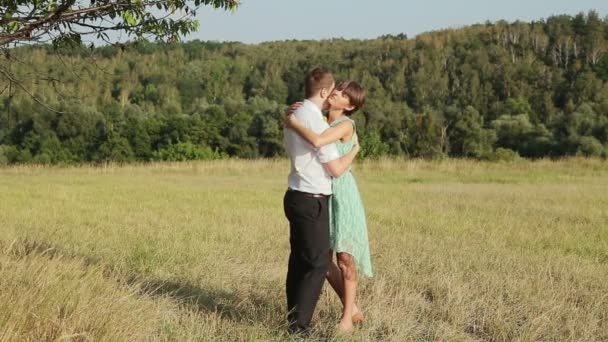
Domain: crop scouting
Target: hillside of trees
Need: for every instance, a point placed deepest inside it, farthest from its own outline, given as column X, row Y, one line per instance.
column 536, row 89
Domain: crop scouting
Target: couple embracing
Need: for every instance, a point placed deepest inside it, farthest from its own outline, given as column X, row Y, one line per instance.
column 322, row 202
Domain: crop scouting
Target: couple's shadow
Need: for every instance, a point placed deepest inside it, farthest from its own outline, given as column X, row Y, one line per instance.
column 250, row 307
column 260, row 308
column 262, row 311
column 226, row 304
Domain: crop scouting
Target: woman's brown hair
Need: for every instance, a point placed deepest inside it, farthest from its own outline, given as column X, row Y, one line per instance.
column 355, row 93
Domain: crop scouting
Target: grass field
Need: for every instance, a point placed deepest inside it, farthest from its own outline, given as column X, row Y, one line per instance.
column 462, row 250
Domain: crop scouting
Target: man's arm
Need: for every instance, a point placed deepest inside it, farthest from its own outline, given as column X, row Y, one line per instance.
column 337, row 167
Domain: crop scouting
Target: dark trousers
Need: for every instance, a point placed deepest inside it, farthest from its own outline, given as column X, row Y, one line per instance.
column 308, row 261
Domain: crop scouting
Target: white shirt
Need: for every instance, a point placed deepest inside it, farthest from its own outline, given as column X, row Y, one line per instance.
column 307, row 171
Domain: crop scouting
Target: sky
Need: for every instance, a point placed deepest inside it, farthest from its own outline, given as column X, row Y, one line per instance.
column 258, row 21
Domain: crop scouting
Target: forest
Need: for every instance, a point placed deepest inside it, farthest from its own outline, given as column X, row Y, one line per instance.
column 492, row 91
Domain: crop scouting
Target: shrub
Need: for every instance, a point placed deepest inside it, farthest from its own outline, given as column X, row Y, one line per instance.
column 3, row 154
column 183, row 151
column 371, row 146
column 589, row 147
column 502, row 154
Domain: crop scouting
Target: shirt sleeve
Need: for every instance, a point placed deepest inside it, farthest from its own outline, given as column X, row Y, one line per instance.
column 327, row 152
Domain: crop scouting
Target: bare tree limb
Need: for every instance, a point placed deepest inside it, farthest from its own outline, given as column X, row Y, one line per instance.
column 12, row 79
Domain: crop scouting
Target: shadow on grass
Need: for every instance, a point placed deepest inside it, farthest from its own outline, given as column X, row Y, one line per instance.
column 252, row 308
column 229, row 305
column 246, row 308
column 22, row 248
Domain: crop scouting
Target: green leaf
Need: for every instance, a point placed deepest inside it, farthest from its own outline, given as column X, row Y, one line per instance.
column 13, row 26
column 129, row 18
column 51, row 6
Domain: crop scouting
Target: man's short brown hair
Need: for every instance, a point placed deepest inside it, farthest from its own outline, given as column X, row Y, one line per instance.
column 317, row 79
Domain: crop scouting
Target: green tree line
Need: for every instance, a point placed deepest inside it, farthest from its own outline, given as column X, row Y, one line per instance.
column 492, row 90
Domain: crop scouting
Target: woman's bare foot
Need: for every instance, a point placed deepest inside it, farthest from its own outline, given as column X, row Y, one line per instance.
column 357, row 316
column 345, row 326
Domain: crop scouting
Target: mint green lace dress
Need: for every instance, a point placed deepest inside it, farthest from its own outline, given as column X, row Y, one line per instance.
column 348, row 228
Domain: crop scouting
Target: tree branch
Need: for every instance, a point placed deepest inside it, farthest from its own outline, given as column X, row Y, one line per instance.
column 12, row 79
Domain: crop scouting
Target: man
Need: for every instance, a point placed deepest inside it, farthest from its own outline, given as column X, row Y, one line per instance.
column 306, row 202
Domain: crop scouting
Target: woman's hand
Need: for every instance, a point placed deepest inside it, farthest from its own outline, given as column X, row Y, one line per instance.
column 290, row 119
column 293, row 108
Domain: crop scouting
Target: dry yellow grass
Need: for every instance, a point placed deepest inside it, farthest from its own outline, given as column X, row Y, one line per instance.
column 463, row 250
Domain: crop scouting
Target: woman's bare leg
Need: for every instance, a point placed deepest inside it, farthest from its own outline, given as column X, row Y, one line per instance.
column 334, row 277
column 346, row 263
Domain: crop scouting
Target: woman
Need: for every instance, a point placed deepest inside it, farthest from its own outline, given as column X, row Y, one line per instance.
column 348, row 228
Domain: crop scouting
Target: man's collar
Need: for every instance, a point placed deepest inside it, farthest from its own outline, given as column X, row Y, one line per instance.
column 313, row 106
